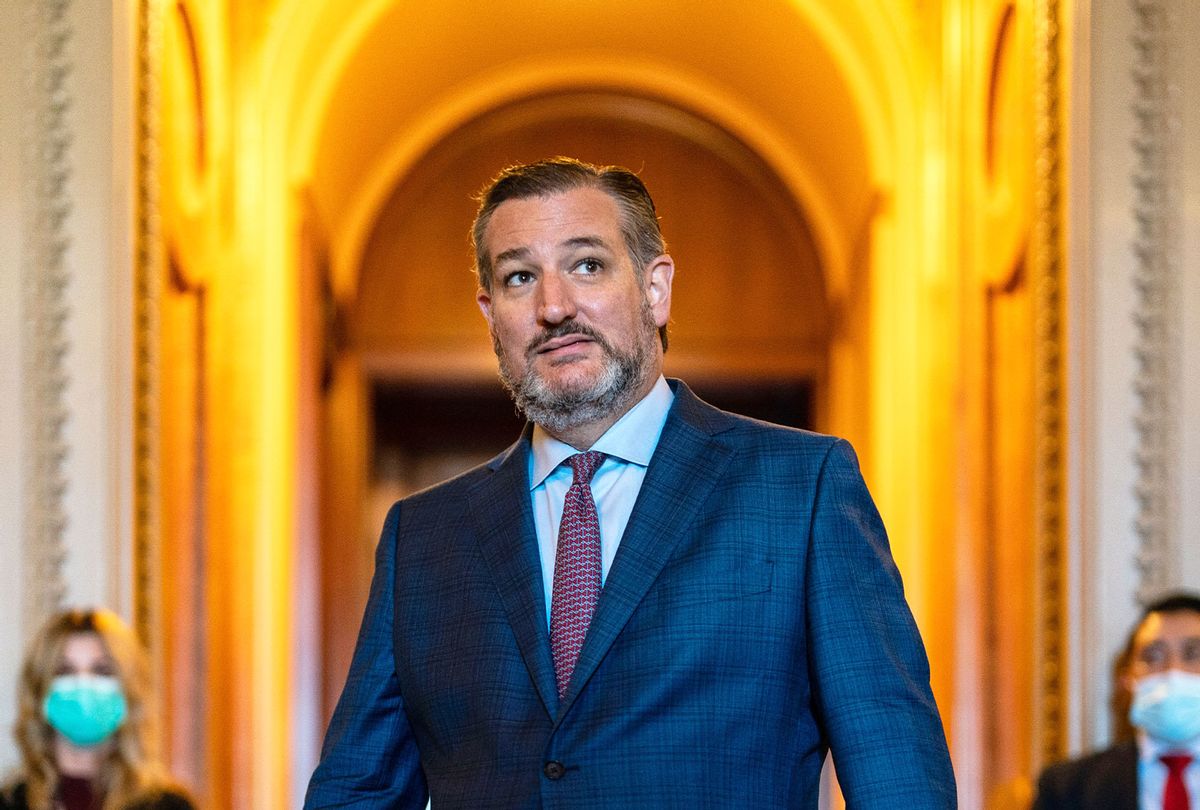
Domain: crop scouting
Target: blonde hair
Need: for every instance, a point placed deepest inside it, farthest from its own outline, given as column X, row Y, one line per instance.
column 131, row 765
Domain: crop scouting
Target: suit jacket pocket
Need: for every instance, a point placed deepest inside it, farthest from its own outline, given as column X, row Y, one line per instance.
column 716, row 581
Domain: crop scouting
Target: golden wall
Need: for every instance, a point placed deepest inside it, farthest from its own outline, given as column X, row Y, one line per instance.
column 860, row 194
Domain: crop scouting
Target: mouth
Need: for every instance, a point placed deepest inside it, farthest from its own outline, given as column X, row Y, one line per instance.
column 563, row 342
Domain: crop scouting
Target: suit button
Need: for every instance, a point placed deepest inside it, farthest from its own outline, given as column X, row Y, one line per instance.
column 554, row 770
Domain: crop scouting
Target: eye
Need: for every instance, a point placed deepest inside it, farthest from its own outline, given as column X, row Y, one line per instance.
column 518, row 278
column 1191, row 651
column 589, row 267
column 1154, row 655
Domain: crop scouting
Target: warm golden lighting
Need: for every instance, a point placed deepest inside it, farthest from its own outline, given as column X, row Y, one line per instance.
column 883, row 149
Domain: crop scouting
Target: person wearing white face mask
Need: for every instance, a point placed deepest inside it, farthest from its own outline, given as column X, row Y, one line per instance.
column 1159, row 768
column 83, row 727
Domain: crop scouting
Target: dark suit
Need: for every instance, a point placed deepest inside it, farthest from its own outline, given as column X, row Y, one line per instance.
column 752, row 618
column 1106, row 780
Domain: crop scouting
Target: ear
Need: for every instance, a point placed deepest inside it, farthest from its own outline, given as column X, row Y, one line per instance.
column 657, row 277
column 485, row 305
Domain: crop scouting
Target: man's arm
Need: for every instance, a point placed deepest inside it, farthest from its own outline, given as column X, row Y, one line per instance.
column 370, row 759
column 869, row 671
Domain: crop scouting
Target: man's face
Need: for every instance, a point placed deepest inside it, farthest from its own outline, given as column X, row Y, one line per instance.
column 1165, row 641
column 573, row 327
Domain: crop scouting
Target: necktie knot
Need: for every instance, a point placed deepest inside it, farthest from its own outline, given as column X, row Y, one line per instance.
column 584, row 466
column 1176, row 763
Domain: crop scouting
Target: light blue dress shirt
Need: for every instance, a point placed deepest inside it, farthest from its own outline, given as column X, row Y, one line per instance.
column 1152, row 774
column 628, row 446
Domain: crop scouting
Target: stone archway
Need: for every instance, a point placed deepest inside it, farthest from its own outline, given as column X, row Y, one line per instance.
column 331, row 106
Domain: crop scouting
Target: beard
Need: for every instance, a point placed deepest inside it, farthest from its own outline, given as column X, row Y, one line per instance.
column 569, row 406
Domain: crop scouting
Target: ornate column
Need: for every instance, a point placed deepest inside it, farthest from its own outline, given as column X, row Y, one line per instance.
column 64, row 365
column 1157, row 282
column 45, row 277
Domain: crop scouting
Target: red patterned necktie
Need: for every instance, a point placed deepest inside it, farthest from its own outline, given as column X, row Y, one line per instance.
column 1175, row 795
column 576, row 569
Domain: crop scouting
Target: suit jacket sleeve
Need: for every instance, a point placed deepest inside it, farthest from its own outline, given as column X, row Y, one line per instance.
column 370, row 758
column 869, row 672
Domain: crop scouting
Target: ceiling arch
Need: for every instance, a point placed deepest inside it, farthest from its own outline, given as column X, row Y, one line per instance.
column 749, row 298
column 374, row 84
column 687, row 94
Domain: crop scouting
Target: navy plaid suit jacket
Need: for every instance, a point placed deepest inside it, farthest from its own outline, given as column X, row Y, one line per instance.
column 752, row 620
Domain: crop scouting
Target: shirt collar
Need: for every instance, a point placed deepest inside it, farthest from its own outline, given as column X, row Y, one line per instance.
column 1150, row 749
column 632, row 438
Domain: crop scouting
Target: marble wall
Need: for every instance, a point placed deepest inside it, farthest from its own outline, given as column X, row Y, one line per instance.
column 1135, row 309
column 65, row 358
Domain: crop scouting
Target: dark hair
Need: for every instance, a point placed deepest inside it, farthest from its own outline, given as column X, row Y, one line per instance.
column 639, row 220
column 1172, row 602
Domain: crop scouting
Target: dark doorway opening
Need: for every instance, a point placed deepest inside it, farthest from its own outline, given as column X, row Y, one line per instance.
column 425, row 433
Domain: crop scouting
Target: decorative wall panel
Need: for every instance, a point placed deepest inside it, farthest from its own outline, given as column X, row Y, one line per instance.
column 45, row 278
column 1156, row 255
column 1049, row 284
column 147, row 302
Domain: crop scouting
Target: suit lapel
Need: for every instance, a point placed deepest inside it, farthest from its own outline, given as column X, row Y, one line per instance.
column 686, row 465
column 503, row 518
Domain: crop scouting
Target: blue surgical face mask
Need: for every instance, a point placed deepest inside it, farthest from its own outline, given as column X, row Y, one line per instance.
column 86, row 709
column 1167, row 706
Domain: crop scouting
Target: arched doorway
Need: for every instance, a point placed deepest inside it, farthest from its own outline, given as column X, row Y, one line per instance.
column 353, row 121
column 750, row 327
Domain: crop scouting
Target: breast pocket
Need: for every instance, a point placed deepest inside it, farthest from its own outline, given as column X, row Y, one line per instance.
column 716, row 580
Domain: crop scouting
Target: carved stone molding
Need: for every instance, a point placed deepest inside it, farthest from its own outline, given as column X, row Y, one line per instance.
column 148, row 283
column 1049, row 282
column 45, row 277
column 1156, row 314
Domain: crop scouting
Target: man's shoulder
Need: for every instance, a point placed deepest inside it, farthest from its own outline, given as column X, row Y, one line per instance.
column 462, row 484
column 162, row 797
column 1115, row 756
column 694, row 411
column 1099, row 773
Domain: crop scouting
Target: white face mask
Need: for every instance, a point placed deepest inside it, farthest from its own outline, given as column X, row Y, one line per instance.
column 1167, row 706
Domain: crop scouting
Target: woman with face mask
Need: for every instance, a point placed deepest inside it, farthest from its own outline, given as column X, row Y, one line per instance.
column 83, row 728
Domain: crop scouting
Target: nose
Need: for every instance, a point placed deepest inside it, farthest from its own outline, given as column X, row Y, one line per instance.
column 556, row 300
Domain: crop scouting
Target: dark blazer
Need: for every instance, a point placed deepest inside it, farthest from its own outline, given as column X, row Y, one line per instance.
column 13, row 797
column 1106, row 780
column 752, row 619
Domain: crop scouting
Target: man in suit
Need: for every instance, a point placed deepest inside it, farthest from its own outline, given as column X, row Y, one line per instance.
column 1156, row 763
column 645, row 601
